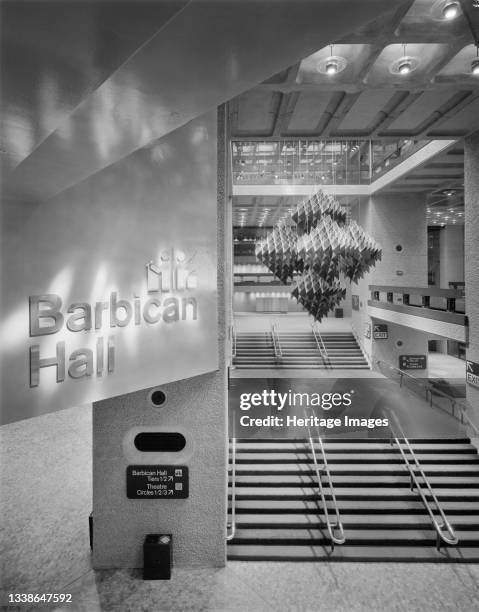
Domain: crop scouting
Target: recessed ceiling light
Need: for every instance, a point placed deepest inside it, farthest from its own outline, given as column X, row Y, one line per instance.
column 475, row 67
column 450, row 10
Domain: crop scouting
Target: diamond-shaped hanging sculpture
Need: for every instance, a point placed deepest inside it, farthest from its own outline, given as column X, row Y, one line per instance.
column 317, row 295
column 278, row 252
column 315, row 208
column 321, row 248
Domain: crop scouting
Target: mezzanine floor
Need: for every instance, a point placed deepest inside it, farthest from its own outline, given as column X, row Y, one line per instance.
column 440, row 366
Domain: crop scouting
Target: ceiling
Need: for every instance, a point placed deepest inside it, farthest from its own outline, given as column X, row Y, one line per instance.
column 368, row 99
column 86, row 83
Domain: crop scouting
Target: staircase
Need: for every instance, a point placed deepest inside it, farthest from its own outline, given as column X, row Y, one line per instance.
column 299, row 350
column 279, row 517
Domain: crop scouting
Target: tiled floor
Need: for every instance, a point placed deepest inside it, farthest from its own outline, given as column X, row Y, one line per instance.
column 45, row 502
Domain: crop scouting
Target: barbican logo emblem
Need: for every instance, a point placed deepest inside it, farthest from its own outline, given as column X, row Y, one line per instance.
column 170, row 284
column 174, row 272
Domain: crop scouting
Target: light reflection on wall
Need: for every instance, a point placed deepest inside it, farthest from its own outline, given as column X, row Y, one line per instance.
column 14, row 328
column 62, row 283
column 18, row 134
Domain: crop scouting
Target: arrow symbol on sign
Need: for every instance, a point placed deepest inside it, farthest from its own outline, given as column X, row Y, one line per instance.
column 469, row 366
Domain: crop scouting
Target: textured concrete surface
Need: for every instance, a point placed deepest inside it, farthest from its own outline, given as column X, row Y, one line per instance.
column 393, row 220
column 45, row 502
column 197, row 408
column 471, row 248
column 452, row 255
column 285, row 587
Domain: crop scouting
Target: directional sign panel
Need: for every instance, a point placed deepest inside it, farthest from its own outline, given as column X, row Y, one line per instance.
column 472, row 373
column 157, row 482
column 380, row 331
column 412, row 362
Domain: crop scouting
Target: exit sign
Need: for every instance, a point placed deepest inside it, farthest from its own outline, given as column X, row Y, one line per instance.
column 472, row 373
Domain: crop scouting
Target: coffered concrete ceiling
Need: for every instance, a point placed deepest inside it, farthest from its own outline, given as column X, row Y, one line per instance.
column 368, row 98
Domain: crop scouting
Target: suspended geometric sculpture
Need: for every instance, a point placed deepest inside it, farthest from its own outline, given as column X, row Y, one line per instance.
column 278, row 252
column 317, row 295
column 321, row 248
column 313, row 209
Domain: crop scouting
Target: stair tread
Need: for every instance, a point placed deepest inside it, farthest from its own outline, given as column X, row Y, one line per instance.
column 353, row 505
column 341, row 491
column 348, row 445
column 339, row 481
column 293, row 520
column 349, row 469
column 308, row 533
column 352, row 458
column 348, row 553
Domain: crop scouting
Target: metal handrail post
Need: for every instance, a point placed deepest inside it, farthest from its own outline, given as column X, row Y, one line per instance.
column 232, row 525
column 278, row 353
column 451, row 538
column 233, row 341
column 330, row 526
column 320, row 344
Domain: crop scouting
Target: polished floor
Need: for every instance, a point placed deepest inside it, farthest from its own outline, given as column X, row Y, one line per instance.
column 45, row 502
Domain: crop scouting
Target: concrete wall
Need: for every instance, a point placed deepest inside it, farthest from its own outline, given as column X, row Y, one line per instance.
column 451, row 255
column 196, row 407
column 95, row 240
column 393, row 220
column 471, row 247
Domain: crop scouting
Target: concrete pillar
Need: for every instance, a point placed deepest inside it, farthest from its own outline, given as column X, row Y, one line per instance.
column 451, row 255
column 195, row 407
column 471, row 248
column 398, row 223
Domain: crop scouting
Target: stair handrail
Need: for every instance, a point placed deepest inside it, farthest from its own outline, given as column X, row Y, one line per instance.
column 320, row 343
column 232, row 524
column 278, row 353
column 233, row 341
column 430, row 390
column 451, row 538
column 358, row 339
column 331, row 526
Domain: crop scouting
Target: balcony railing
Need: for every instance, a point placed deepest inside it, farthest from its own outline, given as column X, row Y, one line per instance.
column 441, row 304
column 317, row 162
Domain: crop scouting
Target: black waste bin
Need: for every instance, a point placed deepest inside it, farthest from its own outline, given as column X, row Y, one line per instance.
column 157, row 556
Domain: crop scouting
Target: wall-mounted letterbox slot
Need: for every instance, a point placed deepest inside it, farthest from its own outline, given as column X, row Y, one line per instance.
column 160, row 442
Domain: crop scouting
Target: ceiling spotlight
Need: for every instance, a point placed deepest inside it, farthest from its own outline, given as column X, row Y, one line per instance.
column 475, row 64
column 332, row 67
column 450, row 10
column 405, row 67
